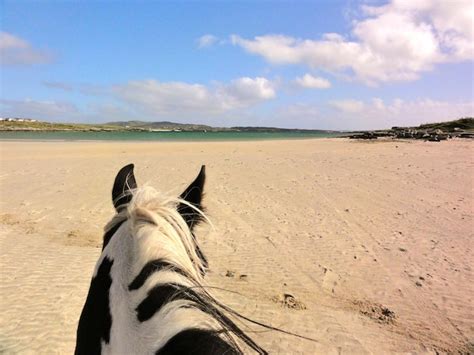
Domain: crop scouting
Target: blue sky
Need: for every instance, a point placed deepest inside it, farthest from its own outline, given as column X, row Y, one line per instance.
column 307, row 64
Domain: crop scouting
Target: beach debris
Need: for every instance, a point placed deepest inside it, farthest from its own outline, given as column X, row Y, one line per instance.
column 289, row 301
column 419, row 284
column 375, row 311
column 230, row 273
column 402, row 249
column 270, row 241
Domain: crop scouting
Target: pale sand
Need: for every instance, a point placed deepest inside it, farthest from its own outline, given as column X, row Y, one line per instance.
column 342, row 226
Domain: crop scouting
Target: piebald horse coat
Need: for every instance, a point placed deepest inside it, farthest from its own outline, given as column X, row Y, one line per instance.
column 147, row 294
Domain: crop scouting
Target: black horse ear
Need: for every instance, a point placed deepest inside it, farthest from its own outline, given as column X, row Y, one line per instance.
column 124, row 183
column 193, row 195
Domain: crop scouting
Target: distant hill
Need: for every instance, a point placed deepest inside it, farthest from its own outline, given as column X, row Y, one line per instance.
column 25, row 124
column 461, row 128
column 449, row 126
column 166, row 125
column 163, row 125
column 22, row 124
column 465, row 124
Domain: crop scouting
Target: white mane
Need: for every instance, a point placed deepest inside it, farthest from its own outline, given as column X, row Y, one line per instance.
column 152, row 229
column 159, row 231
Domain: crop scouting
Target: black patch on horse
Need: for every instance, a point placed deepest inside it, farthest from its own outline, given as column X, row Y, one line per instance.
column 159, row 295
column 197, row 342
column 96, row 321
column 162, row 294
column 150, row 268
column 110, row 233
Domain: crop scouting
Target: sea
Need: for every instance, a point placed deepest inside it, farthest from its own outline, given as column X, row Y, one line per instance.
column 161, row 136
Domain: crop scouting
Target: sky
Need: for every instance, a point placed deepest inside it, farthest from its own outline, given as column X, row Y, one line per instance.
column 296, row 64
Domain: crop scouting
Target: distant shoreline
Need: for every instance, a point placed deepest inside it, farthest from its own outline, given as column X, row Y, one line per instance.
column 31, row 129
column 144, row 136
column 30, row 125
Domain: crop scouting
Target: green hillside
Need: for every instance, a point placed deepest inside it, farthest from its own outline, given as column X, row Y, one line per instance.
column 466, row 124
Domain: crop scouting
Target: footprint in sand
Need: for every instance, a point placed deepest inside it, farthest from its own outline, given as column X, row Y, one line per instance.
column 8, row 219
column 375, row 311
column 11, row 220
column 330, row 280
column 79, row 238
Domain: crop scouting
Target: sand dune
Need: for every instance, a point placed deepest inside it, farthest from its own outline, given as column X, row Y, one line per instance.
column 365, row 247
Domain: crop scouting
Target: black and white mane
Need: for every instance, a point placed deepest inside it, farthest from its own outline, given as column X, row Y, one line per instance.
column 147, row 294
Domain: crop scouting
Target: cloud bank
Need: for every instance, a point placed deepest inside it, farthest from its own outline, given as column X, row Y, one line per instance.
column 394, row 42
column 173, row 98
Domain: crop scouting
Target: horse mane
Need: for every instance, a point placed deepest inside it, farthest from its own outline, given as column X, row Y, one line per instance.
column 150, row 208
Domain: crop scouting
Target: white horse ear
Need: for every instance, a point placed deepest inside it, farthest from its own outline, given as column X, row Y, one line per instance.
column 123, row 184
column 193, row 195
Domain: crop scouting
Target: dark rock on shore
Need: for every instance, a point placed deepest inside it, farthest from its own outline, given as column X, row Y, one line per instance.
column 436, row 132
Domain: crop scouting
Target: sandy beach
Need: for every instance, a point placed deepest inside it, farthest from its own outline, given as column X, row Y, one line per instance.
column 365, row 247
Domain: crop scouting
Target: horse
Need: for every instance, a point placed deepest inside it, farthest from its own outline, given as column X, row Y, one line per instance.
column 147, row 294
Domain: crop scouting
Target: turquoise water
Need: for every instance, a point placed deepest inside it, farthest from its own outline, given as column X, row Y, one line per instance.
column 162, row 136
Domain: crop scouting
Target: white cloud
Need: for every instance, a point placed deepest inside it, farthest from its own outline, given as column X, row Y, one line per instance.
column 247, row 91
column 47, row 110
column 16, row 51
column 311, row 82
column 206, row 41
column 174, row 98
column 349, row 106
column 394, row 42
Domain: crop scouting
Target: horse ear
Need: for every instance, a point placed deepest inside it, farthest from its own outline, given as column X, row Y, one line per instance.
column 124, row 183
column 193, row 195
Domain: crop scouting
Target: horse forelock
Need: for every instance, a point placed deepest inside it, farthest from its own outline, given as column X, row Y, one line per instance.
column 157, row 231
